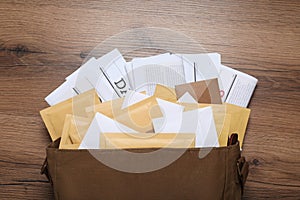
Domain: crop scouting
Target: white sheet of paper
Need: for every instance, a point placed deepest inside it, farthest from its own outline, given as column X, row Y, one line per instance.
column 198, row 121
column 82, row 84
column 83, row 79
column 238, row 87
column 206, row 135
column 68, row 88
column 165, row 69
column 62, row 93
column 172, row 113
column 207, row 66
column 116, row 72
column 72, row 77
column 106, row 74
column 101, row 124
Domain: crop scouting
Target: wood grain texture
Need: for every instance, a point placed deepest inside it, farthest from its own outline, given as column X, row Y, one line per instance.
column 42, row 42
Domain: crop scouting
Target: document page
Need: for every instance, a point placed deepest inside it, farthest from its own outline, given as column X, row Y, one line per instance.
column 60, row 94
column 165, row 69
column 205, row 66
column 107, row 74
column 238, row 87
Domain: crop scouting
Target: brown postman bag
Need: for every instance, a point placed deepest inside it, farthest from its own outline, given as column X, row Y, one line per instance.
column 76, row 174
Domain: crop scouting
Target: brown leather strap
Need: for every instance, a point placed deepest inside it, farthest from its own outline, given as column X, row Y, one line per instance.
column 44, row 170
column 243, row 169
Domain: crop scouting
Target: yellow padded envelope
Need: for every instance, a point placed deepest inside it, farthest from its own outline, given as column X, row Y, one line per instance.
column 54, row 116
column 146, row 140
column 137, row 116
column 165, row 93
column 73, row 132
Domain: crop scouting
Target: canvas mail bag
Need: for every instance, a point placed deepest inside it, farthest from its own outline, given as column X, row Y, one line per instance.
column 76, row 174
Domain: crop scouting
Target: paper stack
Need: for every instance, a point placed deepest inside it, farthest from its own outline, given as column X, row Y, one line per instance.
column 166, row 100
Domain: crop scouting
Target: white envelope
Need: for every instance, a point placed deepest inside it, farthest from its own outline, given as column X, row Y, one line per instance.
column 101, row 124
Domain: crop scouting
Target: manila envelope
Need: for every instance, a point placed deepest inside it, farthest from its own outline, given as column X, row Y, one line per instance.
column 228, row 118
column 54, row 116
column 146, row 140
column 206, row 91
column 137, row 116
column 73, row 131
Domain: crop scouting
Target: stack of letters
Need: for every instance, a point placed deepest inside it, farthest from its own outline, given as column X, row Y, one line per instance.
column 166, row 100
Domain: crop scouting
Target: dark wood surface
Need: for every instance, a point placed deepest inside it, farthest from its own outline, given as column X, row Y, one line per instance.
column 42, row 42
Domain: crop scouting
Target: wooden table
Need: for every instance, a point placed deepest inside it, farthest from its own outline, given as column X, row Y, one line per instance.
column 42, row 42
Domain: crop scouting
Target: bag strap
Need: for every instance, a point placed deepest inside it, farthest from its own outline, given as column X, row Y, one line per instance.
column 243, row 170
column 44, row 170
